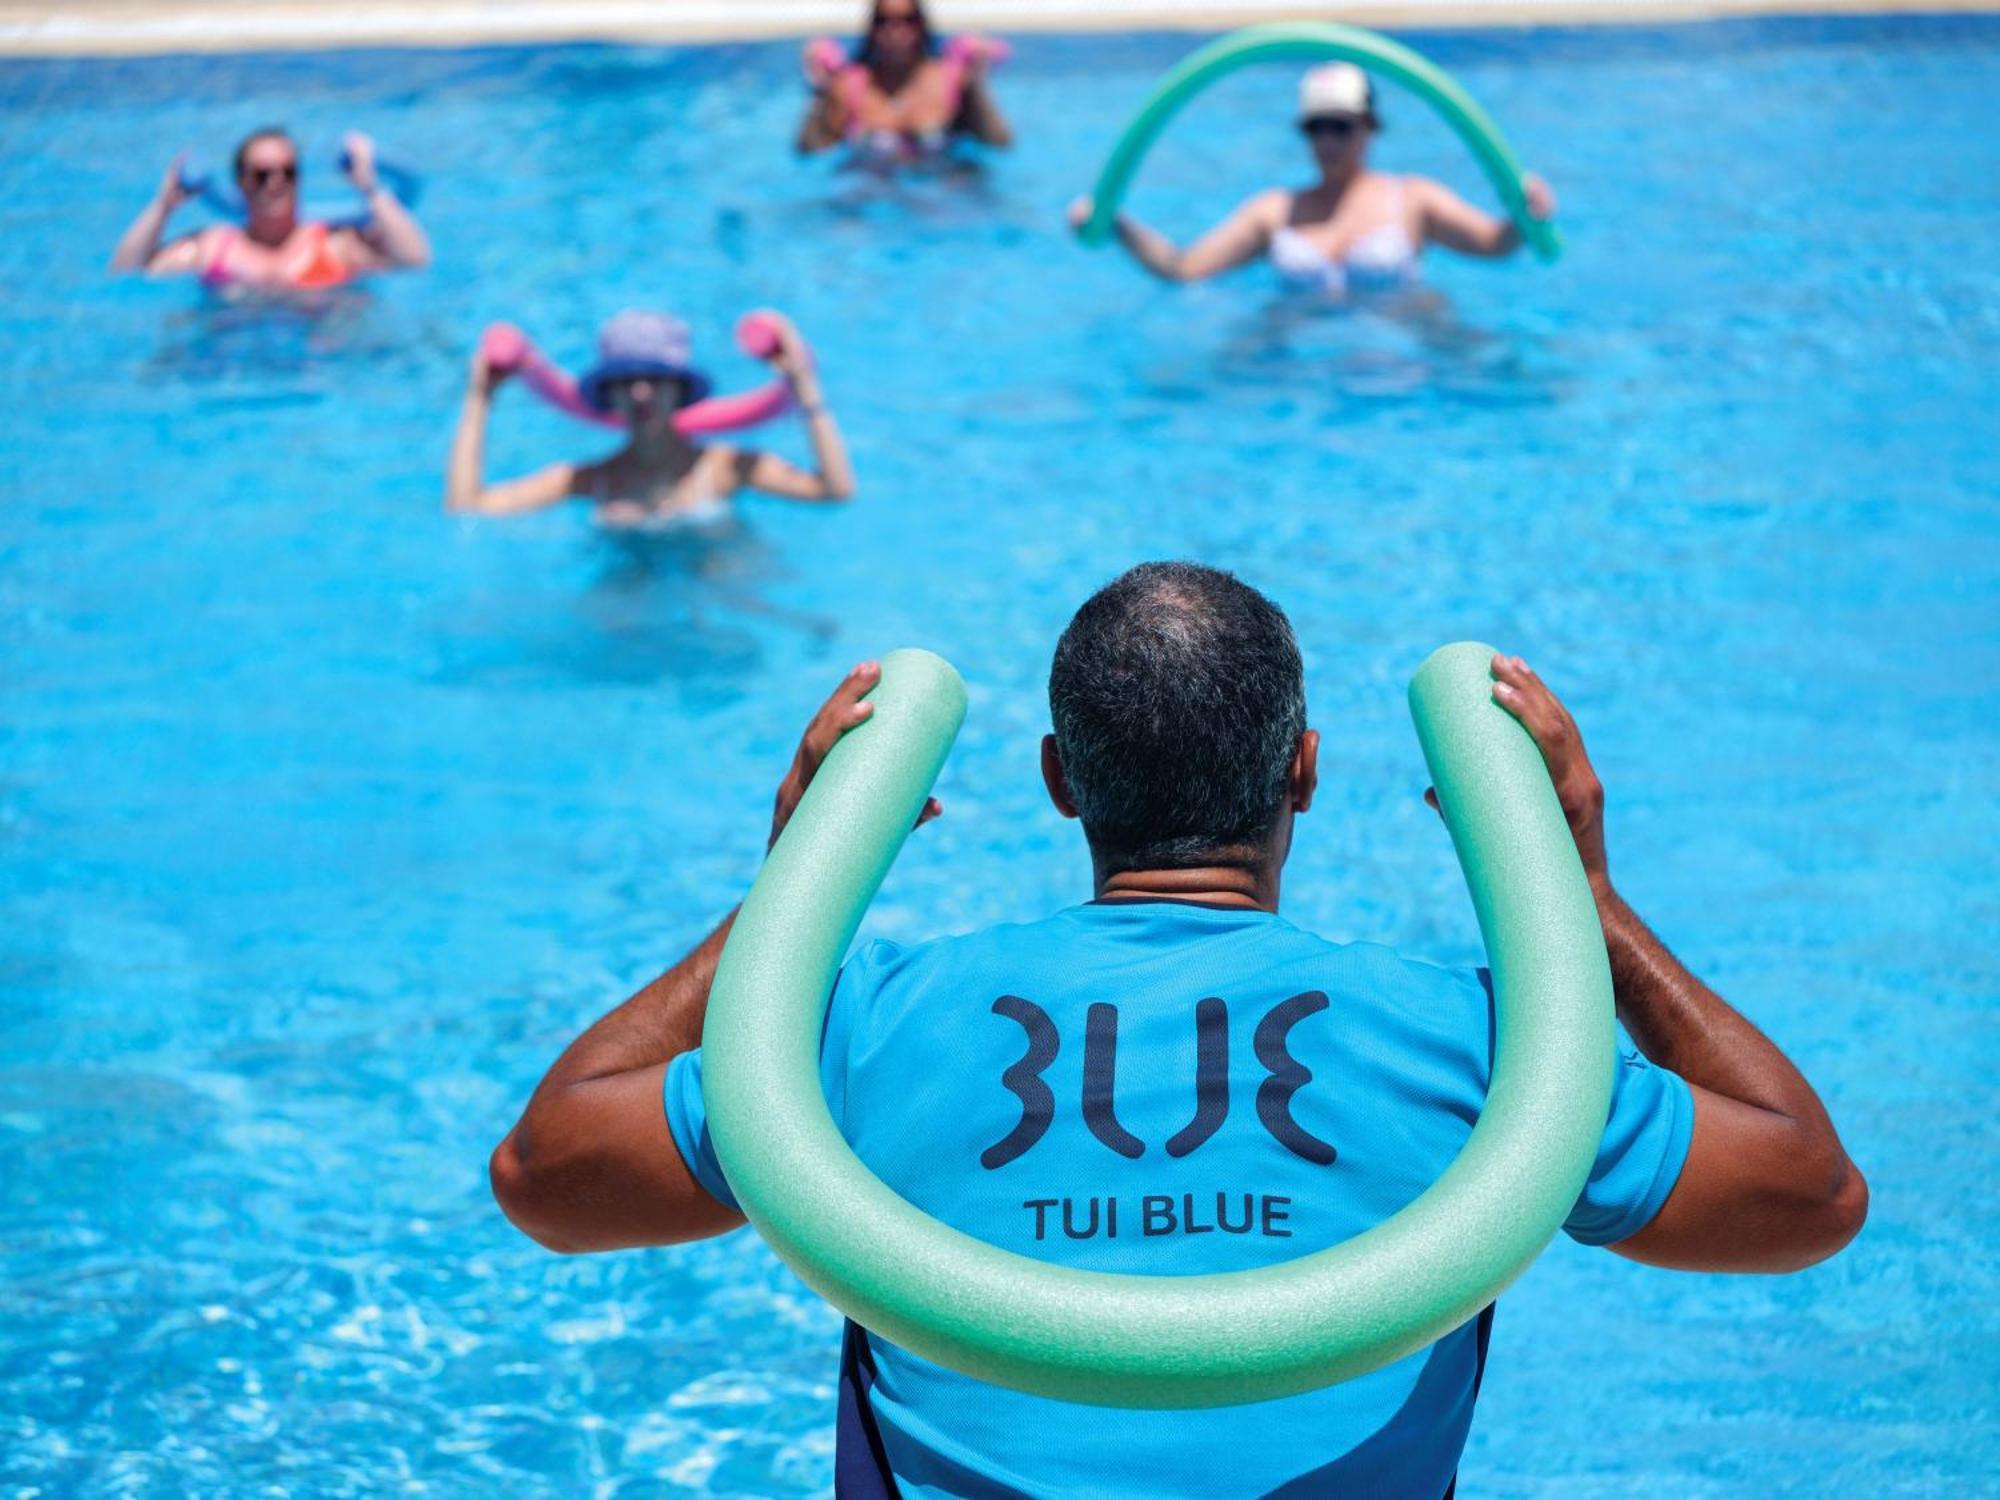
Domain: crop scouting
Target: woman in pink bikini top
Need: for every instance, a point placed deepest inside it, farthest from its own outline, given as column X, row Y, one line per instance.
column 272, row 249
column 902, row 92
column 1354, row 230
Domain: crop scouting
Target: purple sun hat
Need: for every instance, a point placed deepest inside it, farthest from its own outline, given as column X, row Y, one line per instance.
column 640, row 345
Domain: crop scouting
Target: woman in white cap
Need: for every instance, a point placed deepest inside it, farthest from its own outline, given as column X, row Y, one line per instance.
column 1355, row 229
column 644, row 374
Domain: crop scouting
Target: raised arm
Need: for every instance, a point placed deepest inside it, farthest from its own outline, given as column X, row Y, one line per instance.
column 823, row 126
column 832, row 475
column 979, row 113
column 825, row 122
column 139, row 247
column 592, row 1164
column 1767, row 1185
column 1446, row 219
column 1238, row 239
column 465, row 487
column 392, row 233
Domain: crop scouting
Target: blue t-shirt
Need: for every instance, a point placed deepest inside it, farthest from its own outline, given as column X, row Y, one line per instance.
column 1100, row 1089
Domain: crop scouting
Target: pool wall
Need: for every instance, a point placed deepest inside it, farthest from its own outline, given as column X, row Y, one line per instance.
column 137, row 26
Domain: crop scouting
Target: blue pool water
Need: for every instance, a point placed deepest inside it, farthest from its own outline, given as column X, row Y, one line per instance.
column 325, row 819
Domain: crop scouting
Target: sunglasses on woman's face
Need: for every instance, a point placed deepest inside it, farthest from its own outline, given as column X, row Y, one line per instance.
column 894, row 22
column 258, row 176
column 1339, row 127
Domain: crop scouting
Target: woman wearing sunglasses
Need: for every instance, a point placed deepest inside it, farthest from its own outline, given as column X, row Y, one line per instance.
column 1354, row 230
column 273, row 249
column 645, row 374
column 899, row 94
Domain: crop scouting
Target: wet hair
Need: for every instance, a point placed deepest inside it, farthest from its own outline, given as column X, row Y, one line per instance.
column 864, row 50
column 1178, row 698
column 268, row 133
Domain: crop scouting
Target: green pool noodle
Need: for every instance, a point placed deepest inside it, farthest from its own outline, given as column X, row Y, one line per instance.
column 1311, row 41
column 1163, row 1341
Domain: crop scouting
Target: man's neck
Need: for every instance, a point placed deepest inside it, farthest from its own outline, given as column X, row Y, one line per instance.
column 1253, row 887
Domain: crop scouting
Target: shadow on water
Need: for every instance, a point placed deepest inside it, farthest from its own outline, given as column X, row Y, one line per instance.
column 952, row 190
column 225, row 336
column 933, row 187
column 1405, row 345
column 684, row 605
column 718, row 564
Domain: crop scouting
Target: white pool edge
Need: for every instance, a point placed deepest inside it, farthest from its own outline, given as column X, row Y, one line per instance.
column 114, row 27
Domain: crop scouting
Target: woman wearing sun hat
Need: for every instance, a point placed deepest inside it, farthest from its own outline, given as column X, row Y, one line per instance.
column 643, row 375
column 1355, row 229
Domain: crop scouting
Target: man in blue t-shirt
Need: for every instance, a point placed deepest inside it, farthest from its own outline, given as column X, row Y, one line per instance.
column 1173, row 1079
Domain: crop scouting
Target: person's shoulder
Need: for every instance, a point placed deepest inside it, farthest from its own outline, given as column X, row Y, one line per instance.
column 1268, row 209
column 886, row 956
column 1423, row 976
column 724, row 467
column 1420, row 193
column 590, row 480
column 895, row 972
column 1450, row 1007
column 1434, row 993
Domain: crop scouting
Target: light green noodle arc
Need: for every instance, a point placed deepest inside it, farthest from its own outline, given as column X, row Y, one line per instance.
column 1303, row 41
column 1163, row 1341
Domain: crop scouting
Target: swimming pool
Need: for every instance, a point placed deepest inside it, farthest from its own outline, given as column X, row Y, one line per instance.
column 329, row 818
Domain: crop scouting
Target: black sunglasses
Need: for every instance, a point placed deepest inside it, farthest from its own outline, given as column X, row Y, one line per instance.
column 260, row 175
column 1334, row 125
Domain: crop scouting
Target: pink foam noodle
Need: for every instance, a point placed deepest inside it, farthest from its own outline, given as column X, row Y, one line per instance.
column 960, row 53
column 824, row 57
column 968, row 48
column 757, row 335
column 509, row 351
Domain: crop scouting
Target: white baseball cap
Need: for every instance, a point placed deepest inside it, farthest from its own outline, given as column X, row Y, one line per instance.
column 1336, row 89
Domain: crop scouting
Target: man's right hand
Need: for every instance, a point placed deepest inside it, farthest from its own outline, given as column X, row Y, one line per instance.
column 840, row 713
column 1766, row 1185
column 1517, row 689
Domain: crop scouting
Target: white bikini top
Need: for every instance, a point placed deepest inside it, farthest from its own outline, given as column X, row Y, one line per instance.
column 1381, row 259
